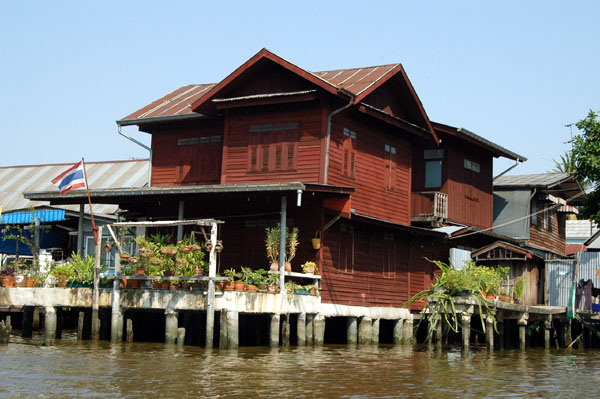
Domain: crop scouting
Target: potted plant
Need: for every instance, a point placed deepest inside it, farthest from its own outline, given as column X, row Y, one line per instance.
column 310, row 267
column 272, row 245
column 291, row 246
column 312, row 289
column 7, row 275
column 273, row 283
column 229, row 285
column 519, row 289
column 63, row 272
column 248, row 277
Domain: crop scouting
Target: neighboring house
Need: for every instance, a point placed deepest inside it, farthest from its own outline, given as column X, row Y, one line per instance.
column 577, row 233
column 348, row 155
column 60, row 223
column 532, row 211
column 592, row 244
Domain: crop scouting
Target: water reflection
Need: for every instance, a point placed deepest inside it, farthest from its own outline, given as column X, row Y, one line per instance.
column 73, row 368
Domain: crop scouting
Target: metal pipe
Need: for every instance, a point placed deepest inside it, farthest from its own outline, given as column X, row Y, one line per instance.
column 509, row 169
column 282, row 244
column 328, row 134
column 143, row 146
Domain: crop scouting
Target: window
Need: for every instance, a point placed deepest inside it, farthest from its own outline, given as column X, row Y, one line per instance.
column 199, row 159
column 272, row 147
column 433, row 168
column 390, row 167
column 472, row 166
column 349, row 148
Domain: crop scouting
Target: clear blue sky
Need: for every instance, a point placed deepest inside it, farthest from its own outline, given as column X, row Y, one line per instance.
column 515, row 72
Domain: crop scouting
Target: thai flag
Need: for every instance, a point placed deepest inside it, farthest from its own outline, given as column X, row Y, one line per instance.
column 71, row 178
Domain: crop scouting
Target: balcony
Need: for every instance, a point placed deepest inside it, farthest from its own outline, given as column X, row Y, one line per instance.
column 429, row 207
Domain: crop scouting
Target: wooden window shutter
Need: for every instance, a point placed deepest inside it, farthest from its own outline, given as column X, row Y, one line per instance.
column 291, row 155
column 278, row 156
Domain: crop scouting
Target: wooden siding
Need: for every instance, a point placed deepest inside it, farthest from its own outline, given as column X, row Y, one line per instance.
column 470, row 198
column 388, row 267
column 236, row 154
column 177, row 165
column 371, row 197
column 551, row 237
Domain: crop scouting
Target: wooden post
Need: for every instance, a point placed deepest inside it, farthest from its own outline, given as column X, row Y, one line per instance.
column 274, row 331
column 398, row 331
column 80, row 324
column 80, row 228
column 96, row 290
column 180, row 214
column 285, row 330
column 301, row 330
column 568, row 334
column 522, row 322
column 129, row 331
column 500, row 327
column 210, row 297
column 547, row 329
column 5, row 330
column 439, row 333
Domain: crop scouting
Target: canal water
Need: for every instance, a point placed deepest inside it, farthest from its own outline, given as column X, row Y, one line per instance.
column 82, row 369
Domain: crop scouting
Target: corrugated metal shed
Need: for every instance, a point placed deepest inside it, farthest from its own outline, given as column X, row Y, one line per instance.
column 15, row 180
column 560, row 276
column 47, row 215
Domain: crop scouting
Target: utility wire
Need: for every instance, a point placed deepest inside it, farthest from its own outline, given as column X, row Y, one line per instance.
column 520, row 218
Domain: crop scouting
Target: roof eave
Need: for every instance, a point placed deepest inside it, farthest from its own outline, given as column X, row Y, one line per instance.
column 159, row 119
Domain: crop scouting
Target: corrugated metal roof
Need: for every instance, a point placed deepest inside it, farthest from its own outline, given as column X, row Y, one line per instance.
column 47, row 215
column 15, row 180
column 178, row 102
column 175, row 103
column 546, row 180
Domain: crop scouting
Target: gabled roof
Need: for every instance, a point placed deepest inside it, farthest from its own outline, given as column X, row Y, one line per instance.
column 357, row 83
column 477, row 140
column 15, row 180
column 563, row 185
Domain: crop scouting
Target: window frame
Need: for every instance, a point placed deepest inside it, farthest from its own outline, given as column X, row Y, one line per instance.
column 273, row 147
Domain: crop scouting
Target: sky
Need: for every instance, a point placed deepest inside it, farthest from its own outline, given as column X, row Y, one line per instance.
column 514, row 72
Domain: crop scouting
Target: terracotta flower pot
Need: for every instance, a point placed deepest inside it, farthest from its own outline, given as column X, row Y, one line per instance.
column 250, row 288
column 239, row 285
column 228, row 285
column 8, row 281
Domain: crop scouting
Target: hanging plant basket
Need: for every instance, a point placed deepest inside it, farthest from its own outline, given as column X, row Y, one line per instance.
column 316, row 242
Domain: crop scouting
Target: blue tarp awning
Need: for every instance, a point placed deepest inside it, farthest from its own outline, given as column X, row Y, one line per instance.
column 48, row 215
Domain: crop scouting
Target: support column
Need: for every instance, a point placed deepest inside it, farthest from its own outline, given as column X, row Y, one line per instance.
column 181, row 336
column 171, row 326
column 466, row 329
column 80, row 324
column 233, row 334
column 351, row 330
column 364, row 330
column 282, row 246
column 210, row 297
column 568, row 333
column 319, row 329
column 407, row 330
column 27, row 327
column 180, row 217
column 50, row 323
column 500, row 328
column 285, row 330
column 547, row 329
column 522, row 322
column 274, row 330
column 375, row 332
column 399, row 331
column 489, row 332
column 301, row 330
column 439, row 333
column 117, row 314
column 36, row 318
column 129, row 331
column 223, row 330
column 310, row 329
column 96, row 290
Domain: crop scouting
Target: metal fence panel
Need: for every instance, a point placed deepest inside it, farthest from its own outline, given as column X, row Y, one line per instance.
column 560, row 276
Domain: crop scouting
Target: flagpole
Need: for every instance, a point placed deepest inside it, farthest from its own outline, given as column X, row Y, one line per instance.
column 87, row 188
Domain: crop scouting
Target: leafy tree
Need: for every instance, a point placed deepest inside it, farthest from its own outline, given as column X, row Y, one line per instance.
column 586, row 153
column 568, row 164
